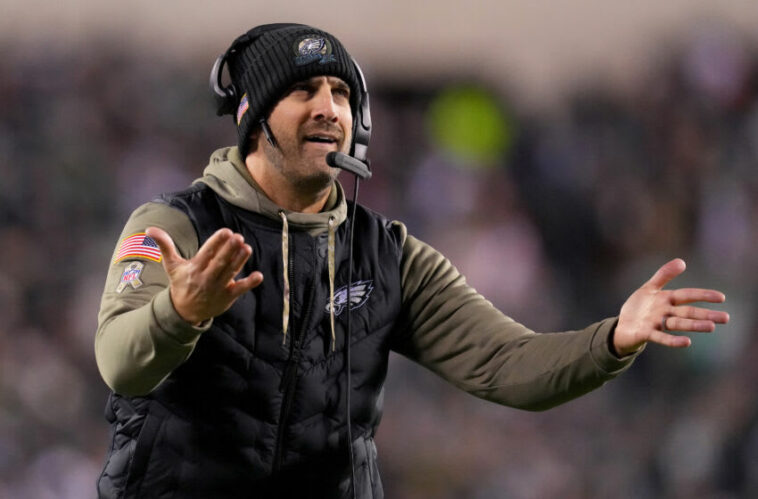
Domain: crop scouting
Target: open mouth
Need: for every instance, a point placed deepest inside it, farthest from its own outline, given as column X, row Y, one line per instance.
column 321, row 139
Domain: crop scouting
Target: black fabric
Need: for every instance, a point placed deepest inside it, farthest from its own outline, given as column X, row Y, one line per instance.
column 213, row 427
column 267, row 60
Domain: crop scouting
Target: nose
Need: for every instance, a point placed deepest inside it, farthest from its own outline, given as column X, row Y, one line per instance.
column 324, row 108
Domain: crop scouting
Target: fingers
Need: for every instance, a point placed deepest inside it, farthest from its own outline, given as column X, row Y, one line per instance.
column 666, row 273
column 166, row 244
column 691, row 295
column 242, row 286
column 228, row 259
column 694, row 319
column 212, row 247
column 221, row 254
column 239, row 259
column 688, row 325
column 234, row 266
column 651, row 312
column 223, row 257
column 681, row 317
column 669, row 340
column 697, row 313
column 687, row 320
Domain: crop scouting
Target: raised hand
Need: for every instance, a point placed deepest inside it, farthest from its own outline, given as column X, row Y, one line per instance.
column 652, row 312
column 205, row 285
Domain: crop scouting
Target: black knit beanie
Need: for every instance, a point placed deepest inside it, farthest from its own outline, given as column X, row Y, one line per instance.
column 279, row 56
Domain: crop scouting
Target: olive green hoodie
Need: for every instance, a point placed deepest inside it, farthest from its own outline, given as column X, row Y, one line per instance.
column 447, row 326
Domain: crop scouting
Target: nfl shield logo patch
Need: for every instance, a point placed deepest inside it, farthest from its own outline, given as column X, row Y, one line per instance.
column 131, row 277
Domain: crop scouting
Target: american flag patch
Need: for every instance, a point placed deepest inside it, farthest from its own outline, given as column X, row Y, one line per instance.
column 242, row 109
column 138, row 246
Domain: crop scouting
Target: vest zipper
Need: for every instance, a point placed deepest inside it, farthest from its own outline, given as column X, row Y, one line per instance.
column 290, row 374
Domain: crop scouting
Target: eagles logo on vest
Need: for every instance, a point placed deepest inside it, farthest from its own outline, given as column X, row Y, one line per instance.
column 359, row 293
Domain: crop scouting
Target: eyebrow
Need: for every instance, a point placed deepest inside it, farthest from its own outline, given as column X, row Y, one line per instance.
column 338, row 82
column 334, row 81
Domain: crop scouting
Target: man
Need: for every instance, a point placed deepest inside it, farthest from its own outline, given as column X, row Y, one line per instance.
column 224, row 324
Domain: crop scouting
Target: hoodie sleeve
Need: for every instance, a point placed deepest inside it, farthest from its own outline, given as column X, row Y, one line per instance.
column 455, row 332
column 140, row 338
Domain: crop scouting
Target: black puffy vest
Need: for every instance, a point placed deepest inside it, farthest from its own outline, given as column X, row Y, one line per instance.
column 247, row 416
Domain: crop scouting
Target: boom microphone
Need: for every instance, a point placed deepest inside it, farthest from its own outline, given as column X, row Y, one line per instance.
column 348, row 163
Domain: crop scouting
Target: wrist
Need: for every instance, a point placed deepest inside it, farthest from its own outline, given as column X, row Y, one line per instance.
column 621, row 351
column 185, row 315
column 171, row 323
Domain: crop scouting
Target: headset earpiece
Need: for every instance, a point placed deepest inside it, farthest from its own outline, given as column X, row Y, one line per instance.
column 227, row 97
column 362, row 122
column 224, row 97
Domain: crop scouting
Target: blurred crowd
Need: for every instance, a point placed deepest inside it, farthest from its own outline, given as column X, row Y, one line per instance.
column 583, row 203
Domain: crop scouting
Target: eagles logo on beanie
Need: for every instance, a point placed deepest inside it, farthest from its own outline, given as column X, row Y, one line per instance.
column 267, row 60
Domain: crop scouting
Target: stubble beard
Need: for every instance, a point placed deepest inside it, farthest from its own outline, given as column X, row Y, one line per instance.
column 304, row 174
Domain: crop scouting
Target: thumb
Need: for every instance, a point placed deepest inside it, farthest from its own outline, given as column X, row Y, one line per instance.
column 666, row 273
column 171, row 257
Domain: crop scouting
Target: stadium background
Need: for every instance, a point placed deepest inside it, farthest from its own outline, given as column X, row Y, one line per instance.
column 557, row 153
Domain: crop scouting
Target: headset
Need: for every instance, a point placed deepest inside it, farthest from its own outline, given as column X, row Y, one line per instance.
column 227, row 98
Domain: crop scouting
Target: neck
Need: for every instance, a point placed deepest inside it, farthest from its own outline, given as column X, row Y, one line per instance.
column 303, row 197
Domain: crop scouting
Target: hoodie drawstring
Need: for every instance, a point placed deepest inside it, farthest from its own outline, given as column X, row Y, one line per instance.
column 286, row 277
column 330, row 259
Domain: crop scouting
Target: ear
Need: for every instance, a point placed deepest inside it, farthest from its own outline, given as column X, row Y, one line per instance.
column 255, row 136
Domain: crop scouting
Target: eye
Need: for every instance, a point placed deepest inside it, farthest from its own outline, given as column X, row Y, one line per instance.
column 301, row 87
column 341, row 91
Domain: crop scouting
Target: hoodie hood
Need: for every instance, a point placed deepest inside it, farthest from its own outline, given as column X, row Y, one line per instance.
column 228, row 176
